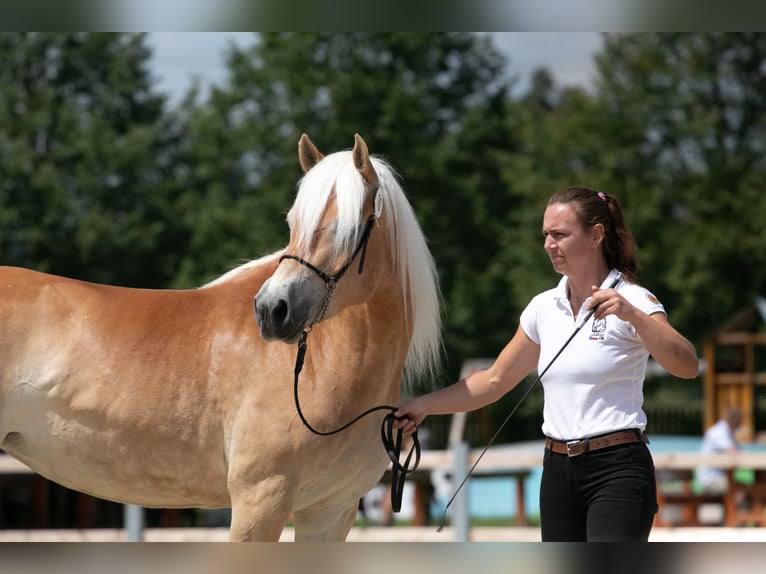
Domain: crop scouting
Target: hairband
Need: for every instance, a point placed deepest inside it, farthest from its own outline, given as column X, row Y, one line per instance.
column 602, row 196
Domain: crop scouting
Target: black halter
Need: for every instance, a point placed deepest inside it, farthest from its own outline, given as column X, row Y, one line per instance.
column 392, row 445
column 331, row 281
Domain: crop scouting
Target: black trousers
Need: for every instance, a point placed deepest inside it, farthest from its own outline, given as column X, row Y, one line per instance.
column 607, row 495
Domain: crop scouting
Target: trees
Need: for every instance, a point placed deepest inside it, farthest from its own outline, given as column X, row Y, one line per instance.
column 675, row 129
column 685, row 115
column 100, row 180
column 432, row 104
column 86, row 158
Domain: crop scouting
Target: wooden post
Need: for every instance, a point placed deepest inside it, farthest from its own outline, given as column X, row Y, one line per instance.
column 709, row 386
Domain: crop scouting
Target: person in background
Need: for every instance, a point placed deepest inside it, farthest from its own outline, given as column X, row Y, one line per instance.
column 720, row 437
column 598, row 481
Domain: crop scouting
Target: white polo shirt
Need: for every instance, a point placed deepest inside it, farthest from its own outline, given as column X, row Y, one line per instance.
column 596, row 385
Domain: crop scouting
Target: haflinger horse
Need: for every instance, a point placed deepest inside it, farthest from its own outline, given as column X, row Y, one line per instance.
column 175, row 399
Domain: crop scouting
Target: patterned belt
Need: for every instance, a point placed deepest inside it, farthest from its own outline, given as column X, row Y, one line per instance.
column 577, row 447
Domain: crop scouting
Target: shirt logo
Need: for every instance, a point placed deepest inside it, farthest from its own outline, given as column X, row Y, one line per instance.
column 598, row 330
column 652, row 298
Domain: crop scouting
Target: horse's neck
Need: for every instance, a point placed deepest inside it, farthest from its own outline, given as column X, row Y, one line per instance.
column 369, row 342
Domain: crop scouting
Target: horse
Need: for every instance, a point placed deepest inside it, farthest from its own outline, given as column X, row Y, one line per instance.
column 183, row 398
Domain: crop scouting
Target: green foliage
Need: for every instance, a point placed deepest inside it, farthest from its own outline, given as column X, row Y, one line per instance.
column 676, row 131
column 431, row 104
column 100, row 180
column 86, row 158
column 686, row 114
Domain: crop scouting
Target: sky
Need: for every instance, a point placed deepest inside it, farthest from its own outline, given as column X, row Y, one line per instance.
column 181, row 56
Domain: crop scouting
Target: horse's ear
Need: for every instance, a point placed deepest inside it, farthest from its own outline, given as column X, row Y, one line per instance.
column 308, row 154
column 362, row 161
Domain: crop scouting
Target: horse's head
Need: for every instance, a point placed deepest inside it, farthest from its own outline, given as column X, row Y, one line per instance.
column 351, row 211
column 335, row 211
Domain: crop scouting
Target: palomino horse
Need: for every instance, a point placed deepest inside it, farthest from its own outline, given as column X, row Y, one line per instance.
column 174, row 399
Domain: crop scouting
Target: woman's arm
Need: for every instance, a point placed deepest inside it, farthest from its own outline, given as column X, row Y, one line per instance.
column 668, row 347
column 481, row 388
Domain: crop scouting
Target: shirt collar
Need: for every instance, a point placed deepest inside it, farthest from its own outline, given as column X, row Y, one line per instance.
column 560, row 292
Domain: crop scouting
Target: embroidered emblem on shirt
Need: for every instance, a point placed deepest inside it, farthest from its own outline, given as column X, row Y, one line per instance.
column 598, row 330
column 652, row 298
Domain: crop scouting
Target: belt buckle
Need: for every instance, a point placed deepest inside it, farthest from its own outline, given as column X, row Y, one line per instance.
column 571, row 444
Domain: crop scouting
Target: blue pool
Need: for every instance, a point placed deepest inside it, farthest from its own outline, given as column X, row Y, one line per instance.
column 496, row 497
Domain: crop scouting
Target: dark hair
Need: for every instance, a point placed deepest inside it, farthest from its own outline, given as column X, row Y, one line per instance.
column 592, row 207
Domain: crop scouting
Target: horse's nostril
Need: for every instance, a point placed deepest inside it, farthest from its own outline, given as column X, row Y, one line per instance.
column 280, row 312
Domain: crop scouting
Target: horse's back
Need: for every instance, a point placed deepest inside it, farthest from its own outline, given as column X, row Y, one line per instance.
column 128, row 383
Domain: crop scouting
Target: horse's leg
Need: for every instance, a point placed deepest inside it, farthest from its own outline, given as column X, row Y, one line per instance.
column 259, row 512
column 330, row 525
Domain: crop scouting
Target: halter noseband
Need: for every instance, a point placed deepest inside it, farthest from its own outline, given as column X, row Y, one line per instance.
column 331, row 281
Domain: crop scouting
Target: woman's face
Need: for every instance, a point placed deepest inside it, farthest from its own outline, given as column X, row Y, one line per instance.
column 569, row 246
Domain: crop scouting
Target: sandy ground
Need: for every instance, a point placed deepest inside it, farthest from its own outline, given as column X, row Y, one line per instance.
column 375, row 534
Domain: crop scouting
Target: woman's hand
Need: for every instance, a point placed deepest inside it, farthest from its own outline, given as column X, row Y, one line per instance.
column 610, row 302
column 409, row 415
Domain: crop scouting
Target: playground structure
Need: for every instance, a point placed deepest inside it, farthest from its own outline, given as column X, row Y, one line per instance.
column 735, row 366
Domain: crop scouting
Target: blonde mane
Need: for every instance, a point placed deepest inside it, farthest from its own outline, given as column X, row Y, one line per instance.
column 416, row 269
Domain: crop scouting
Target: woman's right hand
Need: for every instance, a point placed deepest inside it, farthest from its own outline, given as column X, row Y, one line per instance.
column 409, row 415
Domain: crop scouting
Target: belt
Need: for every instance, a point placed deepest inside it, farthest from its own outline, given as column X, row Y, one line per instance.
column 577, row 447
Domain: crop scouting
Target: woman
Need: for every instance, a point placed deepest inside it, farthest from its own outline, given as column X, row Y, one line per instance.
column 598, row 479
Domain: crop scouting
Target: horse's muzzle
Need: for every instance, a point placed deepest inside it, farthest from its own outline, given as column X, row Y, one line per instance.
column 280, row 315
column 274, row 321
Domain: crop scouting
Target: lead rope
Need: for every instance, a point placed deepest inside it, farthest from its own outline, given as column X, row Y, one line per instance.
column 393, row 445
